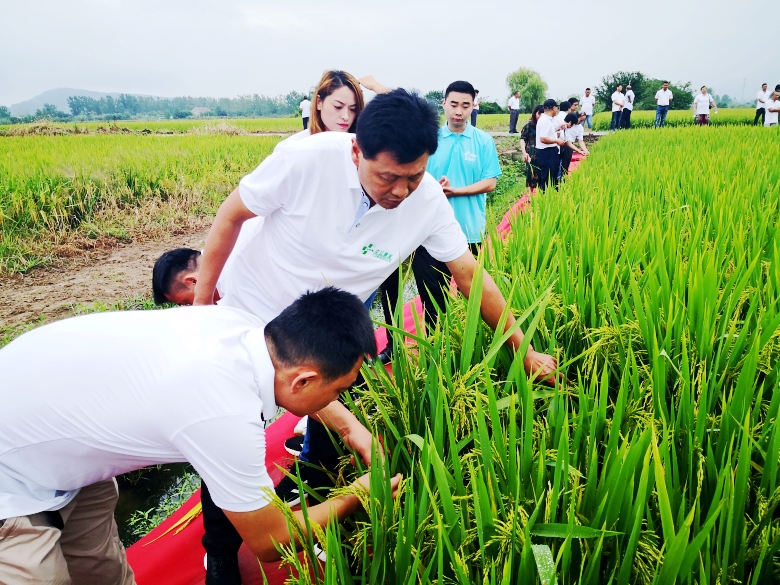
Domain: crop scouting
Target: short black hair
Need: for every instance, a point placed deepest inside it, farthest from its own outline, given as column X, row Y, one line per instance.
column 400, row 124
column 167, row 268
column 460, row 87
column 573, row 118
column 565, row 105
column 587, row 89
column 330, row 328
column 573, row 101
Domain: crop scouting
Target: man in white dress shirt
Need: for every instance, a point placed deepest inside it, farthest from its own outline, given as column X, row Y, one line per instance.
column 513, row 105
column 628, row 107
column 663, row 99
column 547, row 146
column 587, row 103
column 305, row 106
column 761, row 98
column 618, row 99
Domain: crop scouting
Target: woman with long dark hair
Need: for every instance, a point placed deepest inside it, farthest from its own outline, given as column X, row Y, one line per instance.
column 528, row 148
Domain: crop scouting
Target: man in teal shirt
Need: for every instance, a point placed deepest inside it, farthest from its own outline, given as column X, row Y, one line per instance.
column 466, row 165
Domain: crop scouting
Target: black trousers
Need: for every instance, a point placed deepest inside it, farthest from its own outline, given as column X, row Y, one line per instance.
column 760, row 113
column 513, row 114
column 221, row 537
column 566, row 154
column 432, row 278
column 549, row 162
column 305, row 123
column 625, row 119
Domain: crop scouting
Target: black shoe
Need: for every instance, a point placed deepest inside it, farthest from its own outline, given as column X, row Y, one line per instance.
column 222, row 570
column 287, row 490
column 294, row 445
column 386, row 355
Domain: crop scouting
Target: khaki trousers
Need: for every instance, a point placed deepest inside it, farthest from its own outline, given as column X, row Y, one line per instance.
column 87, row 551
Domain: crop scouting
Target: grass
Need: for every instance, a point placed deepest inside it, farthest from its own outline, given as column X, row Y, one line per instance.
column 655, row 281
column 232, row 125
column 57, row 192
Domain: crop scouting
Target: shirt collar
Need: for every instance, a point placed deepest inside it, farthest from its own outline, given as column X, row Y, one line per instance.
column 467, row 132
column 264, row 372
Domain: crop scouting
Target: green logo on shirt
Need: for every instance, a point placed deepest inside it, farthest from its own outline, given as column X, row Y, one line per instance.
column 377, row 253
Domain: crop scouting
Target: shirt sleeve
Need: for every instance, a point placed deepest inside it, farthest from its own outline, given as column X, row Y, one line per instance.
column 265, row 189
column 229, row 454
column 446, row 240
column 490, row 167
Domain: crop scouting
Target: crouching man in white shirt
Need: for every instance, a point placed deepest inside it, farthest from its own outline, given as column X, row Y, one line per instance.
column 120, row 391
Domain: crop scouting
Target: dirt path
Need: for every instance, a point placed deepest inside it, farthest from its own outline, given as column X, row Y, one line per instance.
column 124, row 272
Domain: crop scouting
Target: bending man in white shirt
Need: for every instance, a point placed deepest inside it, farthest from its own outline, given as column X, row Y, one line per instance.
column 124, row 390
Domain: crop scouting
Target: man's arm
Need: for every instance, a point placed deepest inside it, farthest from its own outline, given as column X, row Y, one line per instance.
column 492, row 306
column 373, row 85
column 483, row 186
column 260, row 529
column 583, row 147
column 339, row 419
column 219, row 244
column 545, row 140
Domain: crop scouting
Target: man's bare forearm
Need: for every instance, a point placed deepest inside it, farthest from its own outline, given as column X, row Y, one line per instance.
column 336, row 417
column 219, row 244
column 483, row 186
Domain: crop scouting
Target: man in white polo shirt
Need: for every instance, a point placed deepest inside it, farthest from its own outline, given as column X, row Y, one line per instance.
column 663, row 98
column 628, row 107
column 120, row 391
column 587, row 103
column 344, row 210
column 761, row 98
column 547, row 146
column 618, row 99
column 305, row 106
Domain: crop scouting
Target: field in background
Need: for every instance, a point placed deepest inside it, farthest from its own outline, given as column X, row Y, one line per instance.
column 217, row 126
column 639, row 119
column 57, row 190
column 677, row 118
column 655, row 280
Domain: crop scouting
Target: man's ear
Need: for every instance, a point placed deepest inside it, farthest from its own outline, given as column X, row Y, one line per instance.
column 303, row 380
column 191, row 280
column 355, row 152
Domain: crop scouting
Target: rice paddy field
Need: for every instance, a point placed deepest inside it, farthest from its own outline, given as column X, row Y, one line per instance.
column 203, row 125
column 653, row 276
column 57, row 188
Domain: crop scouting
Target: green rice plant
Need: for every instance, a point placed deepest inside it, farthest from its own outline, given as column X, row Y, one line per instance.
column 246, row 125
column 52, row 187
column 677, row 118
column 499, row 122
column 653, row 275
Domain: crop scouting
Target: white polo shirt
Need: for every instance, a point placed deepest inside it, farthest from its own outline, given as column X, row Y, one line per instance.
column 628, row 102
column 513, row 103
column 310, row 196
column 587, row 102
column 305, row 108
column 761, row 99
column 771, row 117
column 664, row 97
column 701, row 104
column 575, row 133
column 619, row 98
column 115, row 392
column 545, row 127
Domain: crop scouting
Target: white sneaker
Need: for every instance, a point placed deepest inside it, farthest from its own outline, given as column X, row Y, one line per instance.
column 300, row 427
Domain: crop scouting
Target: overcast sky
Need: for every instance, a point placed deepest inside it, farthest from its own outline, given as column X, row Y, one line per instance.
column 226, row 48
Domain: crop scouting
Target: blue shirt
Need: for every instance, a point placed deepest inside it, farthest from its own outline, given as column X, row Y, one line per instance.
column 465, row 159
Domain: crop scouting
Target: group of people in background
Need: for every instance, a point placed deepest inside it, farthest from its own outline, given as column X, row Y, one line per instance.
column 767, row 106
column 553, row 133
